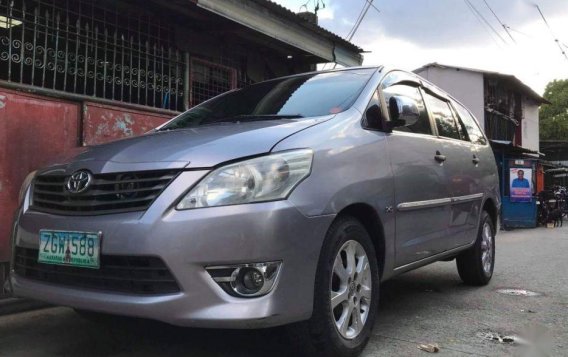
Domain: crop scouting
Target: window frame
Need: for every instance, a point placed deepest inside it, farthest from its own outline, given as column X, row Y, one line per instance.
column 455, row 104
column 404, row 79
column 445, row 99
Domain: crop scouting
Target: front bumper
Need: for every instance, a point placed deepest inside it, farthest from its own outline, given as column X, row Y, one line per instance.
column 188, row 241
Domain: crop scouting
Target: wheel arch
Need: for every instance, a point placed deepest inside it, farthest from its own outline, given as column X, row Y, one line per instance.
column 491, row 208
column 371, row 220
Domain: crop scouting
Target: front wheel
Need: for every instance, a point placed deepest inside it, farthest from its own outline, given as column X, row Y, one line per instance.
column 346, row 293
column 475, row 265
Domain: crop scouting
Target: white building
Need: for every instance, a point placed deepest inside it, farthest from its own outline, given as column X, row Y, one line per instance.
column 506, row 108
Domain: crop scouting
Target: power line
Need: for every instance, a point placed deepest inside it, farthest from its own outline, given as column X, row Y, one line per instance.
column 362, row 14
column 552, row 33
column 517, row 31
column 481, row 22
column 485, row 20
column 498, row 19
column 368, row 4
column 373, row 5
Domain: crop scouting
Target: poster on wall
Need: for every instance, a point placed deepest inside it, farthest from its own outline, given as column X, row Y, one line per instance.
column 521, row 186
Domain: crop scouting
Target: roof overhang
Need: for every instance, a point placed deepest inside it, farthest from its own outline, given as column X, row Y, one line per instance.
column 256, row 17
column 559, row 170
column 513, row 81
column 508, row 146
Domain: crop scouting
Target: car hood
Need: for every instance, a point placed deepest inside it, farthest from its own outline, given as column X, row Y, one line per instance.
column 198, row 147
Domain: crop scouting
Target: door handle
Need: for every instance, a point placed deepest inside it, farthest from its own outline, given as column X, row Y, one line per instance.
column 475, row 159
column 439, row 157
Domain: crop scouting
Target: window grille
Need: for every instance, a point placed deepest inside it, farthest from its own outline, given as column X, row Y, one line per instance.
column 96, row 48
column 209, row 79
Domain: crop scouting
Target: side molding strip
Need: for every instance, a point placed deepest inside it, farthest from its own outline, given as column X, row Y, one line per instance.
column 467, row 198
column 408, row 206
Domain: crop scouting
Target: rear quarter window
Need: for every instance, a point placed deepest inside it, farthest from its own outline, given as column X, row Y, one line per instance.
column 470, row 123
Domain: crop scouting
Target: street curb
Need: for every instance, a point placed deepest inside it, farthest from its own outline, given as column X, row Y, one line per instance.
column 15, row 305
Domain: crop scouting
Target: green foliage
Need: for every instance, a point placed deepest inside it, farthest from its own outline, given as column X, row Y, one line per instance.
column 554, row 117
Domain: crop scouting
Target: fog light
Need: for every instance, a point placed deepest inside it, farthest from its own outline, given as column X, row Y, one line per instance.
column 246, row 280
column 251, row 279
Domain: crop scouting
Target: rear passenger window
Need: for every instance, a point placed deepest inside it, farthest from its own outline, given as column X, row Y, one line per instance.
column 443, row 117
column 473, row 130
column 412, row 104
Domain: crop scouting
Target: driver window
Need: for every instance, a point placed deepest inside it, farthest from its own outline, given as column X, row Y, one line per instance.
column 407, row 101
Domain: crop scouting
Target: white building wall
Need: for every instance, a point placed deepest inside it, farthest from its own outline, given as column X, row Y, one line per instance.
column 465, row 86
column 530, row 129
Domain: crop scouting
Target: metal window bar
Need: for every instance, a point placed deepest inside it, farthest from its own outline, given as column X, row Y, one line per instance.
column 208, row 79
column 93, row 48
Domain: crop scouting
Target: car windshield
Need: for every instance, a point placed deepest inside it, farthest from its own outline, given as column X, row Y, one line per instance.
column 309, row 95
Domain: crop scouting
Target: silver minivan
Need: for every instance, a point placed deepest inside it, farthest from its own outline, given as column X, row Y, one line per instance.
column 284, row 203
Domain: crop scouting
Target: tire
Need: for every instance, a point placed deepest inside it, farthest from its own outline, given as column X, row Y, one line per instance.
column 475, row 265
column 320, row 336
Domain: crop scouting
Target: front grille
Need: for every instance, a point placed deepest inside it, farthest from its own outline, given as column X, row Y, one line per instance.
column 108, row 193
column 127, row 274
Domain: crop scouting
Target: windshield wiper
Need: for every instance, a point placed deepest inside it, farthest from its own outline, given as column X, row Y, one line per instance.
column 253, row 117
column 234, row 119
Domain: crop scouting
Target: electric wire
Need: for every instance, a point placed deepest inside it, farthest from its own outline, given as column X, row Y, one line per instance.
column 360, row 17
column 558, row 43
column 481, row 23
column 519, row 32
column 485, row 20
column 499, row 20
column 373, row 5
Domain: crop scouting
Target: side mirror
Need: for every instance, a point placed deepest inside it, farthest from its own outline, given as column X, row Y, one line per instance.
column 402, row 111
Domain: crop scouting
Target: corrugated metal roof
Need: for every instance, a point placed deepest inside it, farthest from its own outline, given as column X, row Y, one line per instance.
column 281, row 10
column 508, row 145
column 525, row 89
column 271, row 19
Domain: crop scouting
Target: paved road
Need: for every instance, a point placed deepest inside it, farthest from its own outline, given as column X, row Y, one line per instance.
column 429, row 305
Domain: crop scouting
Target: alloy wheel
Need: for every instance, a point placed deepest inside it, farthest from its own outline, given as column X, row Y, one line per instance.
column 487, row 248
column 351, row 289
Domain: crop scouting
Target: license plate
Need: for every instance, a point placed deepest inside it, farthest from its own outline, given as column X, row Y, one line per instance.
column 79, row 249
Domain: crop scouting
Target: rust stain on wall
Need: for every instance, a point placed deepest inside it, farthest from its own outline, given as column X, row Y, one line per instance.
column 104, row 123
column 36, row 131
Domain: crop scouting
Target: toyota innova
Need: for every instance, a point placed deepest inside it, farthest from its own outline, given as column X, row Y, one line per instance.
column 287, row 202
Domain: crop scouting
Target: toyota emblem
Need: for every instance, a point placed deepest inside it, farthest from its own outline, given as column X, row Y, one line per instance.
column 79, row 181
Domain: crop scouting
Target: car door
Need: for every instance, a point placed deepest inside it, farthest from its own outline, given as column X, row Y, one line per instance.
column 460, row 169
column 476, row 170
column 421, row 189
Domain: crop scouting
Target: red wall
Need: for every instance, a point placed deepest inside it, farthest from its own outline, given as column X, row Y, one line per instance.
column 34, row 131
column 104, row 123
column 38, row 130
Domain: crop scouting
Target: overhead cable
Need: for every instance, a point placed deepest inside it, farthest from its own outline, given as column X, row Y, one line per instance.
column 558, row 43
column 481, row 22
column 485, row 20
column 499, row 20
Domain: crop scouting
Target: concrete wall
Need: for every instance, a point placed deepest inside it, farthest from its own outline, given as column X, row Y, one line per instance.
column 465, row 86
column 529, row 124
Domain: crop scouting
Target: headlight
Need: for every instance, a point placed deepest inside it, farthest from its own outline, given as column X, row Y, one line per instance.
column 25, row 185
column 265, row 178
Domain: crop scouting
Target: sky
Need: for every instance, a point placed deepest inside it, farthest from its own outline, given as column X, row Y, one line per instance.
column 408, row 34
